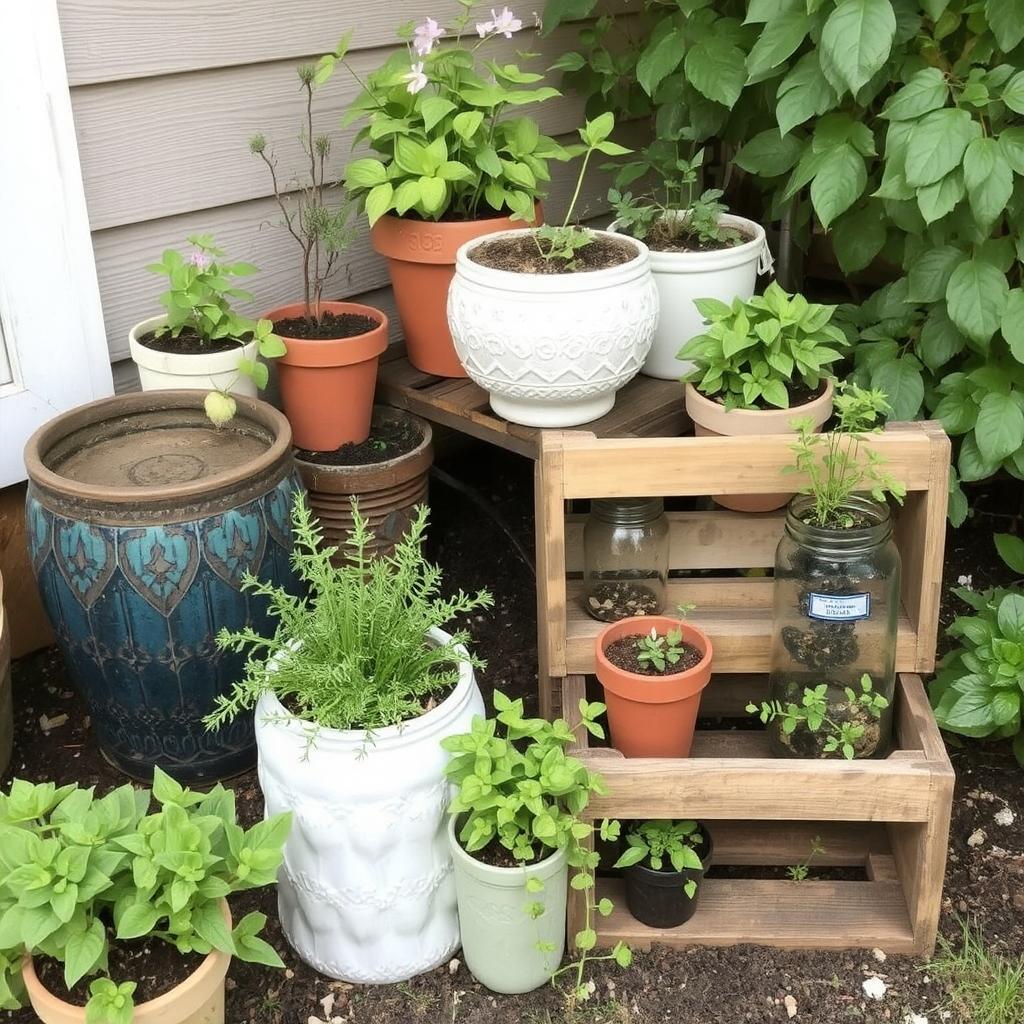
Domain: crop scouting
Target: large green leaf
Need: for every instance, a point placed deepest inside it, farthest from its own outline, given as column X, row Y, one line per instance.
column 768, row 154
column 989, row 180
column 777, row 41
column 804, row 93
column 1013, row 324
column 926, row 91
column 1011, row 551
column 930, row 273
column 937, row 143
column 662, row 55
column 940, row 340
column 1011, row 616
column 858, row 237
column 1013, row 94
column 903, row 384
column 976, row 297
column 839, row 183
column 856, row 41
column 1000, row 427
column 1011, row 141
column 715, row 69
column 1006, row 19
column 937, row 200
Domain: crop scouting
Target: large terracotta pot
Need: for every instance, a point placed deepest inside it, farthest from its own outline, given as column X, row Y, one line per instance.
column 712, row 419
column 652, row 716
column 142, row 520
column 421, row 262
column 199, row 999
column 327, row 384
column 6, row 705
column 387, row 492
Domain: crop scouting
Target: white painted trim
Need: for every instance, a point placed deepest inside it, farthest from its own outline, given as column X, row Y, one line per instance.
column 49, row 296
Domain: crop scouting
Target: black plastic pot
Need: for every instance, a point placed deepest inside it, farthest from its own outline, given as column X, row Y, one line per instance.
column 657, row 898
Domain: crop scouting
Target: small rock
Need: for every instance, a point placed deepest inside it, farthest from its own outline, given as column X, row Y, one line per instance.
column 328, row 1004
column 46, row 724
column 790, row 1004
column 230, row 984
column 1004, row 817
column 1018, row 901
column 976, row 838
column 874, row 987
column 915, row 1018
column 453, row 965
column 289, row 973
column 879, row 955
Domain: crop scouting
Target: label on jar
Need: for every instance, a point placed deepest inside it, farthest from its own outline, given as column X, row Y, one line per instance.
column 848, row 608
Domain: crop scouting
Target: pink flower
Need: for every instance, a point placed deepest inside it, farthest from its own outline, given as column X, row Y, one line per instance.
column 416, row 79
column 506, row 23
column 198, row 259
column 425, row 35
column 483, row 28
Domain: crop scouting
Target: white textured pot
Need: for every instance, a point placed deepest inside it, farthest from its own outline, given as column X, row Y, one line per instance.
column 366, row 892
column 163, row 371
column 552, row 349
column 681, row 277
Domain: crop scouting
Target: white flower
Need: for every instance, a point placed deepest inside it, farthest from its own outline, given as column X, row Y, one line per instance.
column 1004, row 817
column 425, row 35
column 506, row 23
column 874, row 987
column 965, row 581
column 416, row 79
column 483, row 28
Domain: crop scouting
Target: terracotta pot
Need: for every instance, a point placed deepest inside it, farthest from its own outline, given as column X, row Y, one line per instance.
column 712, row 419
column 652, row 716
column 6, row 705
column 199, row 999
column 388, row 492
column 421, row 262
column 327, row 384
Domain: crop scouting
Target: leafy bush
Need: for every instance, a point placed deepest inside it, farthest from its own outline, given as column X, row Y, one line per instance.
column 656, row 842
column 979, row 688
column 754, row 350
column 78, row 871
column 354, row 653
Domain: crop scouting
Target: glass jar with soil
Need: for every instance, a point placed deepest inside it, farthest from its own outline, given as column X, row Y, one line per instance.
column 625, row 544
column 837, row 599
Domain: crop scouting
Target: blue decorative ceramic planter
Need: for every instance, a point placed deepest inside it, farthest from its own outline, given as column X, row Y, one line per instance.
column 142, row 521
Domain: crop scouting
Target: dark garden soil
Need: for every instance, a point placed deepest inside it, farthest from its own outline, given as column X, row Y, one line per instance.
column 662, row 239
column 621, row 599
column 188, row 343
column 740, row 985
column 625, row 654
column 521, row 256
column 387, row 441
column 330, row 326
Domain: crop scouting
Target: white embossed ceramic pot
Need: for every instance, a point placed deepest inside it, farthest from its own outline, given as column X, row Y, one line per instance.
column 366, row 891
column 499, row 938
column 552, row 349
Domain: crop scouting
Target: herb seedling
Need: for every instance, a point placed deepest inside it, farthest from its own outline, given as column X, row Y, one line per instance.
column 813, row 713
column 799, row 872
column 836, row 463
column 660, row 651
column 659, row 841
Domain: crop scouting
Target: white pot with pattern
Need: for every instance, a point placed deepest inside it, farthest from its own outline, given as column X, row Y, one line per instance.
column 552, row 349
column 366, row 892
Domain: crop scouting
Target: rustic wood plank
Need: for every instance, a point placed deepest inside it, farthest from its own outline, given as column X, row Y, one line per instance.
column 549, row 511
column 773, row 844
column 727, row 695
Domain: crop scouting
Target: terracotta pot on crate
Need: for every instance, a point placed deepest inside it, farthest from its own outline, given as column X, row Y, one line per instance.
column 387, row 492
column 6, row 704
column 421, row 263
column 712, row 419
column 327, row 384
column 652, row 716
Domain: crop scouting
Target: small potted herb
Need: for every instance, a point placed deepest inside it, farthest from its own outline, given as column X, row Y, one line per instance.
column 664, row 862
column 111, row 912
column 653, row 670
column 819, row 722
column 200, row 341
column 552, row 321
column 515, row 831
column 698, row 249
column 761, row 363
column 329, row 373
column 354, row 692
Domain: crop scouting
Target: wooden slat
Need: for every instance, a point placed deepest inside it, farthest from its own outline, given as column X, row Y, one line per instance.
column 818, row 915
column 773, row 843
column 727, row 695
column 549, row 516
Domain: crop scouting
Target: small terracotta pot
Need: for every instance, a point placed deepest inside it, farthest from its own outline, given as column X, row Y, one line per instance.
column 327, row 384
column 712, row 419
column 199, row 999
column 652, row 716
column 421, row 262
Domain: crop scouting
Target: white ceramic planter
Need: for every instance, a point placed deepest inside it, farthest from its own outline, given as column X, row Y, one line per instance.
column 163, row 371
column 552, row 350
column 366, row 892
column 681, row 277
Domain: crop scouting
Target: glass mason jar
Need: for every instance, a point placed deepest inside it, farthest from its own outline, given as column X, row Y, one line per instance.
column 625, row 556
column 837, row 601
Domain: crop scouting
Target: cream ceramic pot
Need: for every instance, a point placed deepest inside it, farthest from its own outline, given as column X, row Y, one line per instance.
column 163, row 371
column 552, row 349
column 681, row 277
column 366, row 891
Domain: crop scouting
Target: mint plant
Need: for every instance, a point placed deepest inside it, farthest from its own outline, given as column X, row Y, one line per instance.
column 756, row 350
column 659, row 651
column 354, row 654
column 663, row 843
column 836, row 463
column 518, row 787
column 79, row 872
column 979, row 688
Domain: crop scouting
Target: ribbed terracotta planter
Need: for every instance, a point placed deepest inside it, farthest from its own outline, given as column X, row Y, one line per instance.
column 6, row 705
column 712, row 419
column 387, row 492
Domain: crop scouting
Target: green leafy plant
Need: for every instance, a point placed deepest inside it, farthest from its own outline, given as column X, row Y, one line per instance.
column 799, row 872
column 813, row 713
column 518, row 787
column 354, row 654
column 321, row 226
column 754, row 351
column 656, row 842
column 979, row 688
column 660, row 650
column 198, row 300
column 437, row 119
column 836, row 462
column 78, row 872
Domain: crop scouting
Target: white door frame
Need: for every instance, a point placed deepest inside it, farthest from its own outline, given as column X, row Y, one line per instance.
column 49, row 296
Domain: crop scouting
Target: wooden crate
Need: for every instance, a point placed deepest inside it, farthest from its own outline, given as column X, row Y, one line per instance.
column 888, row 817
